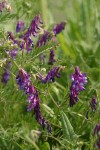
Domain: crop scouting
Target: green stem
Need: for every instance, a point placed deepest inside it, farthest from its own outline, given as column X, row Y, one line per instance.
column 52, row 97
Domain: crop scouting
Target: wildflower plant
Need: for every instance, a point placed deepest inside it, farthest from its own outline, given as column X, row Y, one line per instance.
column 47, row 97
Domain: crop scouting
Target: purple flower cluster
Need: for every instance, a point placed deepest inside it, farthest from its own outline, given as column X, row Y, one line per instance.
column 24, row 82
column 51, row 75
column 25, row 40
column 34, row 27
column 78, row 81
column 97, row 129
column 32, row 30
column 44, row 38
column 97, row 133
column 6, row 75
column 13, row 53
column 20, row 26
column 93, row 104
column 58, row 28
column 34, row 103
column 52, row 55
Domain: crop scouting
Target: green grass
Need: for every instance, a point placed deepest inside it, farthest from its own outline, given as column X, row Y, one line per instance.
column 79, row 45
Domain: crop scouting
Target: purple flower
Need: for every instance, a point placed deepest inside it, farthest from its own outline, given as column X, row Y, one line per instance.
column 78, row 81
column 51, row 75
column 32, row 30
column 34, row 27
column 34, row 103
column 59, row 27
column 29, row 44
column 52, row 55
column 93, row 103
column 13, row 53
column 97, row 134
column 24, row 82
column 20, row 26
column 22, row 45
column 97, row 129
column 44, row 38
column 6, row 75
column 73, row 94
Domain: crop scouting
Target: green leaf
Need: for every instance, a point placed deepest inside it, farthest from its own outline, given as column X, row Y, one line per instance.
column 45, row 146
column 68, row 130
column 6, row 17
column 48, row 110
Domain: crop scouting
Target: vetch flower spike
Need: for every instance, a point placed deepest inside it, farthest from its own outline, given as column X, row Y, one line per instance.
column 13, row 53
column 97, row 134
column 97, row 129
column 59, row 27
column 6, row 75
column 32, row 30
column 24, row 82
column 34, row 103
column 54, row 72
column 52, row 55
column 78, row 81
column 20, row 26
column 43, row 39
column 93, row 104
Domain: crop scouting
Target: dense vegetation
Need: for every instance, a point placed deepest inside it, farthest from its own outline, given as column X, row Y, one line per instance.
column 49, row 75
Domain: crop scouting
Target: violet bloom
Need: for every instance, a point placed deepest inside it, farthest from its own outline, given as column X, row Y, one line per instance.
column 97, row 134
column 97, row 129
column 59, row 27
column 32, row 30
column 29, row 44
column 51, row 75
column 52, row 55
column 20, row 26
column 93, row 104
column 6, row 75
column 34, row 103
column 44, row 38
column 78, row 81
column 22, row 45
column 23, row 80
column 34, row 27
column 13, row 53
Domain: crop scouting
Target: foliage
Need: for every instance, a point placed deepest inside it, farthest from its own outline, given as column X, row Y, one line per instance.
column 78, row 45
